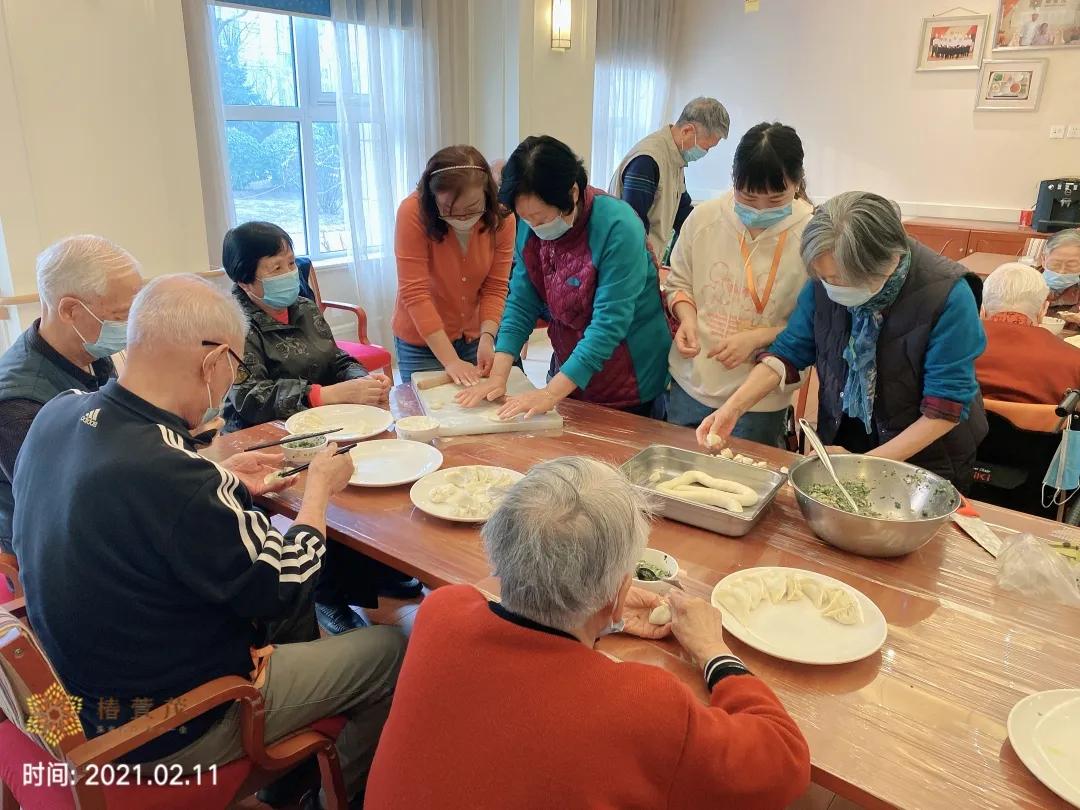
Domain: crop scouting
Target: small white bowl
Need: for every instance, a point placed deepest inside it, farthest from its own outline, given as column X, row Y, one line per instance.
column 295, row 455
column 660, row 560
column 1052, row 324
column 417, row 428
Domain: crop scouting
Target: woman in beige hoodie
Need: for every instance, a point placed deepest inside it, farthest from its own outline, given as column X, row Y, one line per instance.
column 735, row 276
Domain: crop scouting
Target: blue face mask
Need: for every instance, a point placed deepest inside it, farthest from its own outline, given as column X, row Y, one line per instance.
column 213, row 412
column 695, row 152
column 281, row 292
column 111, row 339
column 1058, row 282
column 1063, row 474
column 761, row 217
column 551, row 230
column 847, row 296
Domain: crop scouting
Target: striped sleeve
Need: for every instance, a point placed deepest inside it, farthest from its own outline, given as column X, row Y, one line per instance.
column 640, row 179
column 229, row 553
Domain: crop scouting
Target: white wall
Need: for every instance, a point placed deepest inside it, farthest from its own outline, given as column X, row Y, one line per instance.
column 97, row 132
column 842, row 72
column 556, row 88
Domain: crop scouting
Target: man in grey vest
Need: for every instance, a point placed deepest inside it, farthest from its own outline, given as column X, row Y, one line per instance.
column 86, row 284
column 651, row 179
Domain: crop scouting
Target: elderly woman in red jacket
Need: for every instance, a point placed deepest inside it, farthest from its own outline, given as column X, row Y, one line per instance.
column 509, row 705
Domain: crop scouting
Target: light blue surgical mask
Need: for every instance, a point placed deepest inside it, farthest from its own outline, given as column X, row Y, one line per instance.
column 281, row 292
column 695, row 152
column 761, row 217
column 111, row 340
column 551, row 230
column 1063, row 474
column 848, row 296
column 1059, row 282
column 213, row 412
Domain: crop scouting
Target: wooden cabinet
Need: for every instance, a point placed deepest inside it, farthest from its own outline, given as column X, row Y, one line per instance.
column 957, row 238
column 949, row 242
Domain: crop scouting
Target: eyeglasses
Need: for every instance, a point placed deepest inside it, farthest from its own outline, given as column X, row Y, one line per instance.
column 1063, row 266
column 243, row 370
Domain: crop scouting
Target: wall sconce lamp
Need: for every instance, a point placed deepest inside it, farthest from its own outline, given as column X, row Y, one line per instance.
column 561, row 16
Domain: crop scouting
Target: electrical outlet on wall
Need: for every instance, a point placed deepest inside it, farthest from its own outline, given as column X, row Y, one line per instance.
column 1074, row 131
column 1057, row 131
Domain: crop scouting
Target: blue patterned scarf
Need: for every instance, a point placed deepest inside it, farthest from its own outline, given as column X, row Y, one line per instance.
column 860, row 388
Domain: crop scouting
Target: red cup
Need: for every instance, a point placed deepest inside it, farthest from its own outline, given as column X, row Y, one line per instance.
column 1027, row 216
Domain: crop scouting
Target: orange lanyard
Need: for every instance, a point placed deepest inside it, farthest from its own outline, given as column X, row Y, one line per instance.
column 760, row 303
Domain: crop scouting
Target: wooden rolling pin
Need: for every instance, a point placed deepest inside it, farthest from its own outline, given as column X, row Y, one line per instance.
column 432, row 382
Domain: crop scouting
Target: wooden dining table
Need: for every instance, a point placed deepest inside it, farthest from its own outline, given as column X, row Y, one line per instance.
column 919, row 724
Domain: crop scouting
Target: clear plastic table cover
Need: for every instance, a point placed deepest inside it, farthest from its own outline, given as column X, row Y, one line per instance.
column 921, row 724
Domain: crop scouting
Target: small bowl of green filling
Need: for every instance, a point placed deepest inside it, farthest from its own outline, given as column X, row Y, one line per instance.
column 303, row 451
column 654, row 569
column 898, row 507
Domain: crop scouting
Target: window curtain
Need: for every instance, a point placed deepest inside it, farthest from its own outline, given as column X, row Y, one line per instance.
column 634, row 50
column 390, row 121
column 209, row 125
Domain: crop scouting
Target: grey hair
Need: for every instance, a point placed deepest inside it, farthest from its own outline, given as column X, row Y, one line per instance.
column 563, row 539
column 80, row 266
column 1070, row 236
column 707, row 113
column 861, row 230
column 1015, row 287
column 184, row 310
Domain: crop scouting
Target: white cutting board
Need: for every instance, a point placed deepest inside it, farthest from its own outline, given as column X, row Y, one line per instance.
column 454, row 420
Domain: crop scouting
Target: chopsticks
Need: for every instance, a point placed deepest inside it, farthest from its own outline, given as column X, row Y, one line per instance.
column 287, row 439
column 343, row 449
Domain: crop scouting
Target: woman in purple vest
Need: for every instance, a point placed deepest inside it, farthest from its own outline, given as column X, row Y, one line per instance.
column 893, row 330
column 581, row 255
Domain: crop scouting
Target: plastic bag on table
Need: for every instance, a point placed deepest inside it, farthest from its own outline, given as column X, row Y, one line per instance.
column 1028, row 565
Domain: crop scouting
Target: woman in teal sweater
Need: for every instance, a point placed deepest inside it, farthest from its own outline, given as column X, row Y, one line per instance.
column 581, row 255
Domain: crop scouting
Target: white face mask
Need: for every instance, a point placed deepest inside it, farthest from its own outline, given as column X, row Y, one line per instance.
column 848, row 296
column 462, row 225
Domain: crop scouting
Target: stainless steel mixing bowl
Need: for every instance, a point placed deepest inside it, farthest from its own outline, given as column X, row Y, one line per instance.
column 912, row 502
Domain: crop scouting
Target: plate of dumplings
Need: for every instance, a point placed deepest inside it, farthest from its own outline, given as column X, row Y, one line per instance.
column 799, row 616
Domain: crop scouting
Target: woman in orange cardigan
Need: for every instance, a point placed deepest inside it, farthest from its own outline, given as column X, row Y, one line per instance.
column 454, row 246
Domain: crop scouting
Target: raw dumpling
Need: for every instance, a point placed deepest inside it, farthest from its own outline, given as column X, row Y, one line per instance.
column 793, row 592
column 661, row 614
column 735, row 599
column 755, row 588
column 842, row 607
column 775, row 586
column 812, row 590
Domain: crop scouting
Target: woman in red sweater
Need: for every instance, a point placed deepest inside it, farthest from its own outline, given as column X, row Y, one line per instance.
column 454, row 245
column 509, row 706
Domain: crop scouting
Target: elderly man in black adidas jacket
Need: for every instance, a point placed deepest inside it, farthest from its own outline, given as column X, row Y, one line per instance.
column 146, row 570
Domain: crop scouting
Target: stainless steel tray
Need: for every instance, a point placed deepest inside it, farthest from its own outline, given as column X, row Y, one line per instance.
column 671, row 461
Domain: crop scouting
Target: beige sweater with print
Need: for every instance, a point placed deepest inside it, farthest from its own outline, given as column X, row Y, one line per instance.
column 707, row 265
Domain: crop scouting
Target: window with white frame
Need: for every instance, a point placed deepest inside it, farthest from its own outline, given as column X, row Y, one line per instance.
column 278, row 88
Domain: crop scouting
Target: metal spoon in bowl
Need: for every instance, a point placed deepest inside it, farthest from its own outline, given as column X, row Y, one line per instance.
column 823, row 454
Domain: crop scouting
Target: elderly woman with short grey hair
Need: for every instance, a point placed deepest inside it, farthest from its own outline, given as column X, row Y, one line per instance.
column 893, row 330
column 1022, row 363
column 510, row 705
column 1061, row 271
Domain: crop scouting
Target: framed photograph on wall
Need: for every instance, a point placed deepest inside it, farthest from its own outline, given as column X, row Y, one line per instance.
column 1024, row 25
column 952, row 43
column 1011, row 84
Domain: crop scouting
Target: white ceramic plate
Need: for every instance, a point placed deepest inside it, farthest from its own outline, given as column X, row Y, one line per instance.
column 356, row 421
column 796, row 631
column 1073, row 340
column 392, row 462
column 1044, row 730
column 421, row 493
